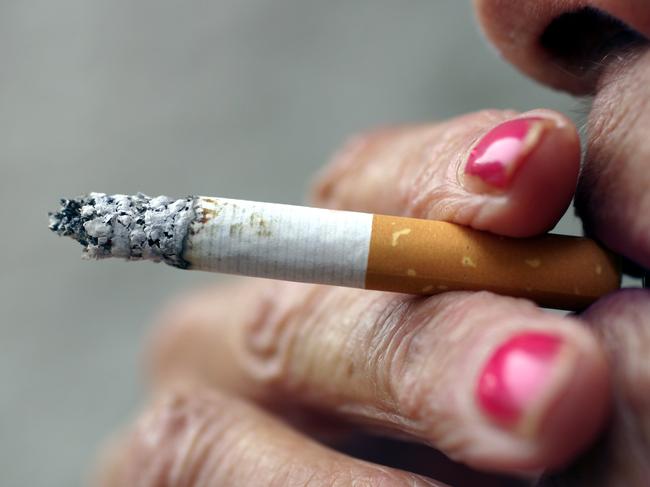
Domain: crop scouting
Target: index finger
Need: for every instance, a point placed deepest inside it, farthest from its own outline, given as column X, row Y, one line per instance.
column 493, row 170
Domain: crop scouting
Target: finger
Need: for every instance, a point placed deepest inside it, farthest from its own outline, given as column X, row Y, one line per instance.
column 440, row 370
column 491, row 170
column 564, row 43
column 202, row 438
column 621, row 457
column 571, row 45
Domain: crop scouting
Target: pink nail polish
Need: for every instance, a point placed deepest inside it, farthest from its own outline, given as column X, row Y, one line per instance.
column 516, row 374
column 501, row 152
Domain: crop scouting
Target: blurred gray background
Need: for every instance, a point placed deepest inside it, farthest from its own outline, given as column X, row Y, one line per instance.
column 239, row 98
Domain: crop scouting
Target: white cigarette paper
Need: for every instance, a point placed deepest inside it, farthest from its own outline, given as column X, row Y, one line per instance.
column 278, row 241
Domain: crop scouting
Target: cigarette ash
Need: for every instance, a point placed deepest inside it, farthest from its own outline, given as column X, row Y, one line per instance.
column 131, row 227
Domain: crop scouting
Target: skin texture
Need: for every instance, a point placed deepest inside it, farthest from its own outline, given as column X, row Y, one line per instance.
column 247, row 379
column 620, row 456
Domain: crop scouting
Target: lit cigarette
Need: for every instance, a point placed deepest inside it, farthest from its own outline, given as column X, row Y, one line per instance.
column 340, row 248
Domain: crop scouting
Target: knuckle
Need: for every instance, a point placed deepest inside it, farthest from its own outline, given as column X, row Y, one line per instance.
column 446, row 328
column 181, row 439
column 269, row 336
column 422, row 161
column 407, row 348
column 430, row 187
column 388, row 343
column 192, row 438
column 438, row 326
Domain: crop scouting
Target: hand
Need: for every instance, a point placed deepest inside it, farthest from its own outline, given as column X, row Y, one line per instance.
column 331, row 361
column 605, row 55
column 410, row 367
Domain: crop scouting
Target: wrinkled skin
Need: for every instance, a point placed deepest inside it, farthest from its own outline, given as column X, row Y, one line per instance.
column 265, row 383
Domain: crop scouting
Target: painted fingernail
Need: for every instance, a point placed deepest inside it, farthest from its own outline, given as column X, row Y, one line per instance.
column 516, row 376
column 499, row 154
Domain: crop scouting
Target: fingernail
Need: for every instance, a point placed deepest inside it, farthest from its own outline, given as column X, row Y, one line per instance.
column 498, row 155
column 517, row 376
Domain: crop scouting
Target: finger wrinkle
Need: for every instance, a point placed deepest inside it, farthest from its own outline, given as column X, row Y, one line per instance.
column 328, row 345
column 335, row 356
column 172, row 444
column 423, row 391
column 405, row 170
column 387, row 343
column 269, row 339
column 195, row 438
column 395, row 359
column 429, row 182
column 373, row 359
column 460, row 329
column 436, row 366
column 436, row 191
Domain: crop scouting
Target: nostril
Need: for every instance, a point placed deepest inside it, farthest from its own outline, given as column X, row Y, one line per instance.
column 581, row 41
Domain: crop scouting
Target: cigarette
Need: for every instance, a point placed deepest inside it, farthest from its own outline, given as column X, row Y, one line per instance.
column 340, row 248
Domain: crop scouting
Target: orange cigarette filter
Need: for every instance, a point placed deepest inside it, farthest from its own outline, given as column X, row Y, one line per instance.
column 428, row 257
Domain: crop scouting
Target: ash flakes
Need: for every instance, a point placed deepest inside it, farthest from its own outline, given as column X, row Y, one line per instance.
column 131, row 227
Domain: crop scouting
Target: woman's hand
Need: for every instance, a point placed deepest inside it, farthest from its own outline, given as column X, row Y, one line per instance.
column 600, row 47
column 245, row 378
column 491, row 381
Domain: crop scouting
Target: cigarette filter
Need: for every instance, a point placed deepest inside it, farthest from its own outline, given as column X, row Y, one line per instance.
column 340, row 248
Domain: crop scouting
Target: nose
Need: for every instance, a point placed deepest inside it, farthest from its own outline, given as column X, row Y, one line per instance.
column 565, row 43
